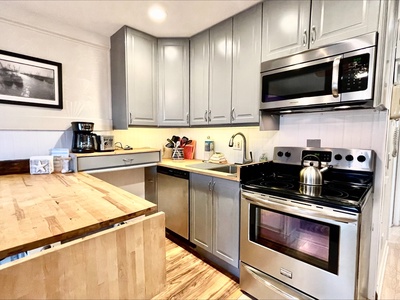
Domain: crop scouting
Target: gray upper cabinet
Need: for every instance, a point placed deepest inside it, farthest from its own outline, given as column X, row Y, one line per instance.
column 225, row 71
column 220, row 87
column 173, row 82
column 285, row 28
column 211, row 75
column 289, row 27
column 133, row 78
column 199, row 68
column 246, row 62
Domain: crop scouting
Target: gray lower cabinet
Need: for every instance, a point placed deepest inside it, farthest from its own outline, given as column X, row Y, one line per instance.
column 214, row 216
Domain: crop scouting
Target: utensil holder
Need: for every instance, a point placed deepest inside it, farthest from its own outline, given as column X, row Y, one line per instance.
column 177, row 154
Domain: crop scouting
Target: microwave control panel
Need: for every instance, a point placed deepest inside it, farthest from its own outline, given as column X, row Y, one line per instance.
column 354, row 73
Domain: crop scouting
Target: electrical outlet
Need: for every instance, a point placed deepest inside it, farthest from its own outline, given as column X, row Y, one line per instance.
column 237, row 145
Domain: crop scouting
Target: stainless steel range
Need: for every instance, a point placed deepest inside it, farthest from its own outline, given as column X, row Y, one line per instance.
column 307, row 239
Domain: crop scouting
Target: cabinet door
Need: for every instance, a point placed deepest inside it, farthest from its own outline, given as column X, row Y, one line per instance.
column 201, row 211
column 285, row 28
column 141, row 78
column 220, row 88
column 226, row 220
column 173, row 83
column 199, row 68
column 246, row 66
column 119, row 97
column 333, row 21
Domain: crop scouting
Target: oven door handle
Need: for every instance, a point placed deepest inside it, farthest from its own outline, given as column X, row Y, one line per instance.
column 279, row 288
column 304, row 212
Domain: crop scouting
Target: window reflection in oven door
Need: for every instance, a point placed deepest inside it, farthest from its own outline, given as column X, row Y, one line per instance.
column 300, row 245
column 308, row 240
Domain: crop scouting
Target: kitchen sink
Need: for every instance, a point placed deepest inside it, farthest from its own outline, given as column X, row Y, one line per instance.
column 230, row 169
column 204, row 166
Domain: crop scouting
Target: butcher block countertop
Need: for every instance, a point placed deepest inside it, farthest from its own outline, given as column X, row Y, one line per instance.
column 37, row 210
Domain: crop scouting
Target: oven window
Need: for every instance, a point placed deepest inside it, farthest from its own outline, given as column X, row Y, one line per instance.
column 309, row 81
column 308, row 240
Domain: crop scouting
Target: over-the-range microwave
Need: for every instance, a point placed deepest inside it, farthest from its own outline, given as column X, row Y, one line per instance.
column 337, row 76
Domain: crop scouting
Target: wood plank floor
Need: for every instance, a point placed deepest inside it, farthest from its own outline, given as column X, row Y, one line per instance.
column 188, row 277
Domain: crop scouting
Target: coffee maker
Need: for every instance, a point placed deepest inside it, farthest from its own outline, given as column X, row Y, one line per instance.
column 83, row 140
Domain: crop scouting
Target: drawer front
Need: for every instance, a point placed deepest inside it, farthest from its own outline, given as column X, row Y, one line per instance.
column 112, row 161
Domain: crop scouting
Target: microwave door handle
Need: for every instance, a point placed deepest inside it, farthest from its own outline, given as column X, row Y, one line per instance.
column 335, row 77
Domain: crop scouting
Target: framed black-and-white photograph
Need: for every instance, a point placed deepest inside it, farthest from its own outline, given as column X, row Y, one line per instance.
column 26, row 80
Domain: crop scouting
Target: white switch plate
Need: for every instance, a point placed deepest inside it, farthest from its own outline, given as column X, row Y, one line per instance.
column 237, row 145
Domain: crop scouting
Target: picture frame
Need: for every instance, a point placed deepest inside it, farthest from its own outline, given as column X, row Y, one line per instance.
column 31, row 81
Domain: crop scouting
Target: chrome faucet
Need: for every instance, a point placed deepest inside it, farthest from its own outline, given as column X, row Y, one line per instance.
column 245, row 160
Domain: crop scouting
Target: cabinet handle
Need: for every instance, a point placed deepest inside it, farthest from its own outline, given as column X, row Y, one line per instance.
column 210, row 185
column 305, row 38
column 128, row 160
column 205, row 115
column 187, row 118
column 313, row 34
column 233, row 114
column 209, row 116
column 130, row 118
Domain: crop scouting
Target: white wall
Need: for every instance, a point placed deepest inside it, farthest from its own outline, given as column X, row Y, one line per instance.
column 85, row 72
column 26, row 131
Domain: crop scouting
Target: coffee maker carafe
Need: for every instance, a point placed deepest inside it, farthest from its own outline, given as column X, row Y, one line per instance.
column 83, row 138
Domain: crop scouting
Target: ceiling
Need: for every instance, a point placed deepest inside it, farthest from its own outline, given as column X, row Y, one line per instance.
column 184, row 18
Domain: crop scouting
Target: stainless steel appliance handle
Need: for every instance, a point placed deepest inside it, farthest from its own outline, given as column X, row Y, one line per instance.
column 324, row 214
column 335, row 77
column 283, row 290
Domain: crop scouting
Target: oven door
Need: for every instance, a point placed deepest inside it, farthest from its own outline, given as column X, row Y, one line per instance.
column 310, row 248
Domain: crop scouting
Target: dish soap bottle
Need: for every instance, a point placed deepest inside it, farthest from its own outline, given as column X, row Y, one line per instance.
column 208, row 148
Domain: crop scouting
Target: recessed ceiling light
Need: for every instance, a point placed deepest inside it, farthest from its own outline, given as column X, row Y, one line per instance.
column 157, row 13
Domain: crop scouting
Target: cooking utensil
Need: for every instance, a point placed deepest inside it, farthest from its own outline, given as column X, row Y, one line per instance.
column 171, row 144
column 312, row 175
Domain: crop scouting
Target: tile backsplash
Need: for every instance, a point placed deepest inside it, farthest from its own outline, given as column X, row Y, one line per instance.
column 347, row 129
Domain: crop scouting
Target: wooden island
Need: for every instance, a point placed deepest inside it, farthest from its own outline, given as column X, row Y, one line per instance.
column 96, row 260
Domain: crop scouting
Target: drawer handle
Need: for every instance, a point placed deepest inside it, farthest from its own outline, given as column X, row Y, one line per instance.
column 128, row 160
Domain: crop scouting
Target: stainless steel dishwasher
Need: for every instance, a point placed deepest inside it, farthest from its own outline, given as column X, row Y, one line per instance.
column 173, row 199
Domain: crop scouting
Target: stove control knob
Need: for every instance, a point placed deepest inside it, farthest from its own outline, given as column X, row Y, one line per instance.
column 349, row 157
column 280, row 153
column 338, row 157
column 361, row 158
column 288, row 154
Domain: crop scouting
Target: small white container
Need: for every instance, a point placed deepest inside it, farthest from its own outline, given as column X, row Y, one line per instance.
column 41, row 164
